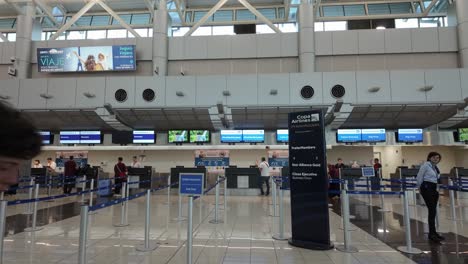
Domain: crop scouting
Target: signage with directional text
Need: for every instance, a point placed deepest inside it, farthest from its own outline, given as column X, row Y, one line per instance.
column 191, row 184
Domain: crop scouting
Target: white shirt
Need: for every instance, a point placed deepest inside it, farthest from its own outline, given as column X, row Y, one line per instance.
column 52, row 165
column 136, row 164
column 38, row 166
column 264, row 169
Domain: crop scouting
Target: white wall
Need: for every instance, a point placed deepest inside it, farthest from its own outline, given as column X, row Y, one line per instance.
column 417, row 155
column 461, row 158
column 391, row 158
column 362, row 155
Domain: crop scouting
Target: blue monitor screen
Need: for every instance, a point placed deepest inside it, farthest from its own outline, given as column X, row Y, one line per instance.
column 178, row 136
column 368, row 172
column 87, row 59
column 46, row 137
column 144, row 137
column 253, row 136
column 373, row 135
column 90, row 137
column 231, row 136
column 348, row 135
column 282, row 135
column 410, row 135
column 69, row 137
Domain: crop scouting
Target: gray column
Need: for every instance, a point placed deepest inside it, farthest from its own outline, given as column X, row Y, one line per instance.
column 160, row 39
column 462, row 18
column 23, row 49
column 306, row 37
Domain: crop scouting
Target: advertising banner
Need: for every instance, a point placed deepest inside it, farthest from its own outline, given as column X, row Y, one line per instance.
column 80, row 157
column 310, row 224
column 78, row 59
column 212, row 158
column 278, row 158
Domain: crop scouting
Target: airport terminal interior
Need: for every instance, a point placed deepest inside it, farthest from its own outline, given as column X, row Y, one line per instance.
column 238, row 131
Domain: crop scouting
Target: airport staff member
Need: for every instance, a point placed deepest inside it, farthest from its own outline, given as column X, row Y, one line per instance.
column 264, row 176
column 71, row 169
column 136, row 163
column 426, row 179
column 19, row 142
column 51, row 164
column 37, row 164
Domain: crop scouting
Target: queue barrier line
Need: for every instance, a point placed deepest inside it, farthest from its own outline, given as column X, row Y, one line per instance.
column 210, row 188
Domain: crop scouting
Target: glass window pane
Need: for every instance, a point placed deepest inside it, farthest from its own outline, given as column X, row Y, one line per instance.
column 269, row 13
column 117, row 33
column 378, row 9
column 354, row 10
column 180, row 31
column 44, row 35
column 264, row 29
column 429, row 22
column 96, row 34
column 188, row 17
column 127, row 18
column 406, row 23
column 143, row 32
column 244, row 14
column 202, row 31
column 141, row 19
column 175, row 18
column 223, row 30
column 333, row 11
column 150, row 33
column 400, row 8
column 288, row 27
column 292, row 14
column 62, row 37
column 281, row 13
column 84, row 21
column 223, row 15
column 335, row 25
column 76, row 35
column 7, row 23
column 318, row 26
column 47, row 23
column 100, row 21
column 199, row 14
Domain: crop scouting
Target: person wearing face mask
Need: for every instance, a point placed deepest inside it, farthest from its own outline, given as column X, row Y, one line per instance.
column 19, row 142
column 426, row 180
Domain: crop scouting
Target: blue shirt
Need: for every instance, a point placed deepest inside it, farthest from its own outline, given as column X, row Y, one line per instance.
column 427, row 172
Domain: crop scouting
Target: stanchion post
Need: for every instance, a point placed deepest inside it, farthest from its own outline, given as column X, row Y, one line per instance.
column 408, row 248
column 34, row 218
column 216, row 218
column 91, row 196
column 273, row 196
column 31, row 183
column 147, row 246
column 280, row 235
column 3, row 206
column 225, row 193
column 190, row 230
column 83, row 234
column 347, row 235
column 382, row 203
column 168, row 190
column 452, row 201
column 123, row 210
column 83, row 188
column 179, row 217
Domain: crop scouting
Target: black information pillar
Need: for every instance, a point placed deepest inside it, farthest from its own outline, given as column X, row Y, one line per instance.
column 309, row 181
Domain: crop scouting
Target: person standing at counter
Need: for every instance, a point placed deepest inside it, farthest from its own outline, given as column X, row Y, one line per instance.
column 426, row 180
column 120, row 171
column 71, row 168
column 339, row 164
column 264, row 176
column 136, row 163
column 37, row 164
column 377, row 167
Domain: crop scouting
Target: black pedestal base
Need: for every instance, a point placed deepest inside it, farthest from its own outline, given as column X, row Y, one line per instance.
column 310, row 245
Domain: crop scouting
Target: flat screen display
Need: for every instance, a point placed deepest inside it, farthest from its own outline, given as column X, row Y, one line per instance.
column 463, row 134
column 69, row 137
column 122, row 137
column 200, row 136
column 348, row 135
column 46, row 137
column 231, row 136
column 90, row 137
column 87, row 59
column 253, row 136
column 410, row 135
column 282, row 135
column 373, row 135
column 178, row 136
column 144, row 137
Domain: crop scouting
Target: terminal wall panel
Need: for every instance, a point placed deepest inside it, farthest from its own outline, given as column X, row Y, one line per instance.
column 195, row 48
column 346, row 79
column 269, row 65
column 289, row 45
column 210, row 90
column 29, row 94
column 298, row 80
column 2, row 60
column 268, row 83
column 371, row 41
column 323, row 43
column 243, row 89
column 268, row 45
column 219, row 47
column 125, row 41
column 464, row 82
column 345, row 42
column 425, row 39
column 63, row 91
column 448, row 39
column 185, row 85
column 397, row 40
column 94, row 86
column 405, row 86
column 157, row 84
column 372, row 79
column 10, row 89
column 244, row 46
column 115, row 83
column 446, row 83
column 176, row 48
column 144, row 48
column 8, row 51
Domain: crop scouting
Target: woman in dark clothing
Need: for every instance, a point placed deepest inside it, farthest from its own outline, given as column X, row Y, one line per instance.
column 71, row 170
column 333, row 174
column 120, row 171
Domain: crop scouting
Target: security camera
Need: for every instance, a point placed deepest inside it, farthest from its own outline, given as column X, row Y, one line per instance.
column 11, row 71
column 12, row 59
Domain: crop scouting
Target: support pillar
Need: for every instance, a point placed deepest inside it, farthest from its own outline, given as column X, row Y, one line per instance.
column 462, row 27
column 25, row 22
column 306, row 37
column 160, row 39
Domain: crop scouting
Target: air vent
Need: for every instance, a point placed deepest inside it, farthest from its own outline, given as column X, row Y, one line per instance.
column 121, row 95
column 148, row 95
column 338, row 91
column 307, row 92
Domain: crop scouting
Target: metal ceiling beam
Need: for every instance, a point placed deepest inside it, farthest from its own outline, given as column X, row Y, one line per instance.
column 118, row 18
column 3, row 37
column 205, row 17
column 15, row 7
column 74, row 19
column 429, row 7
column 48, row 11
column 287, row 8
column 179, row 4
column 150, row 5
column 259, row 15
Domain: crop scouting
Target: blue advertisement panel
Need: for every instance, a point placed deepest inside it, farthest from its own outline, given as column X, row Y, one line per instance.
column 191, row 184
column 80, row 157
column 253, row 136
column 373, row 135
column 348, row 135
column 89, row 59
column 231, row 136
column 212, row 158
column 410, row 135
column 144, row 137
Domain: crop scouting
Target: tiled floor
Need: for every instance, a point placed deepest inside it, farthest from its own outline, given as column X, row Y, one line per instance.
column 244, row 237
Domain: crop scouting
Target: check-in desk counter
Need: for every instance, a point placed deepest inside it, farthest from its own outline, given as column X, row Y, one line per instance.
column 243, row 181
column 177, row 170
column 140, row 175
column 461, row 176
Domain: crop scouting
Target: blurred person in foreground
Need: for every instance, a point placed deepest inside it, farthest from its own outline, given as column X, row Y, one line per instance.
column 19, row 142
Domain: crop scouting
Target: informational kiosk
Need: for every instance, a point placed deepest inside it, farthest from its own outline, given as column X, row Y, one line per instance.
column 309, row 181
